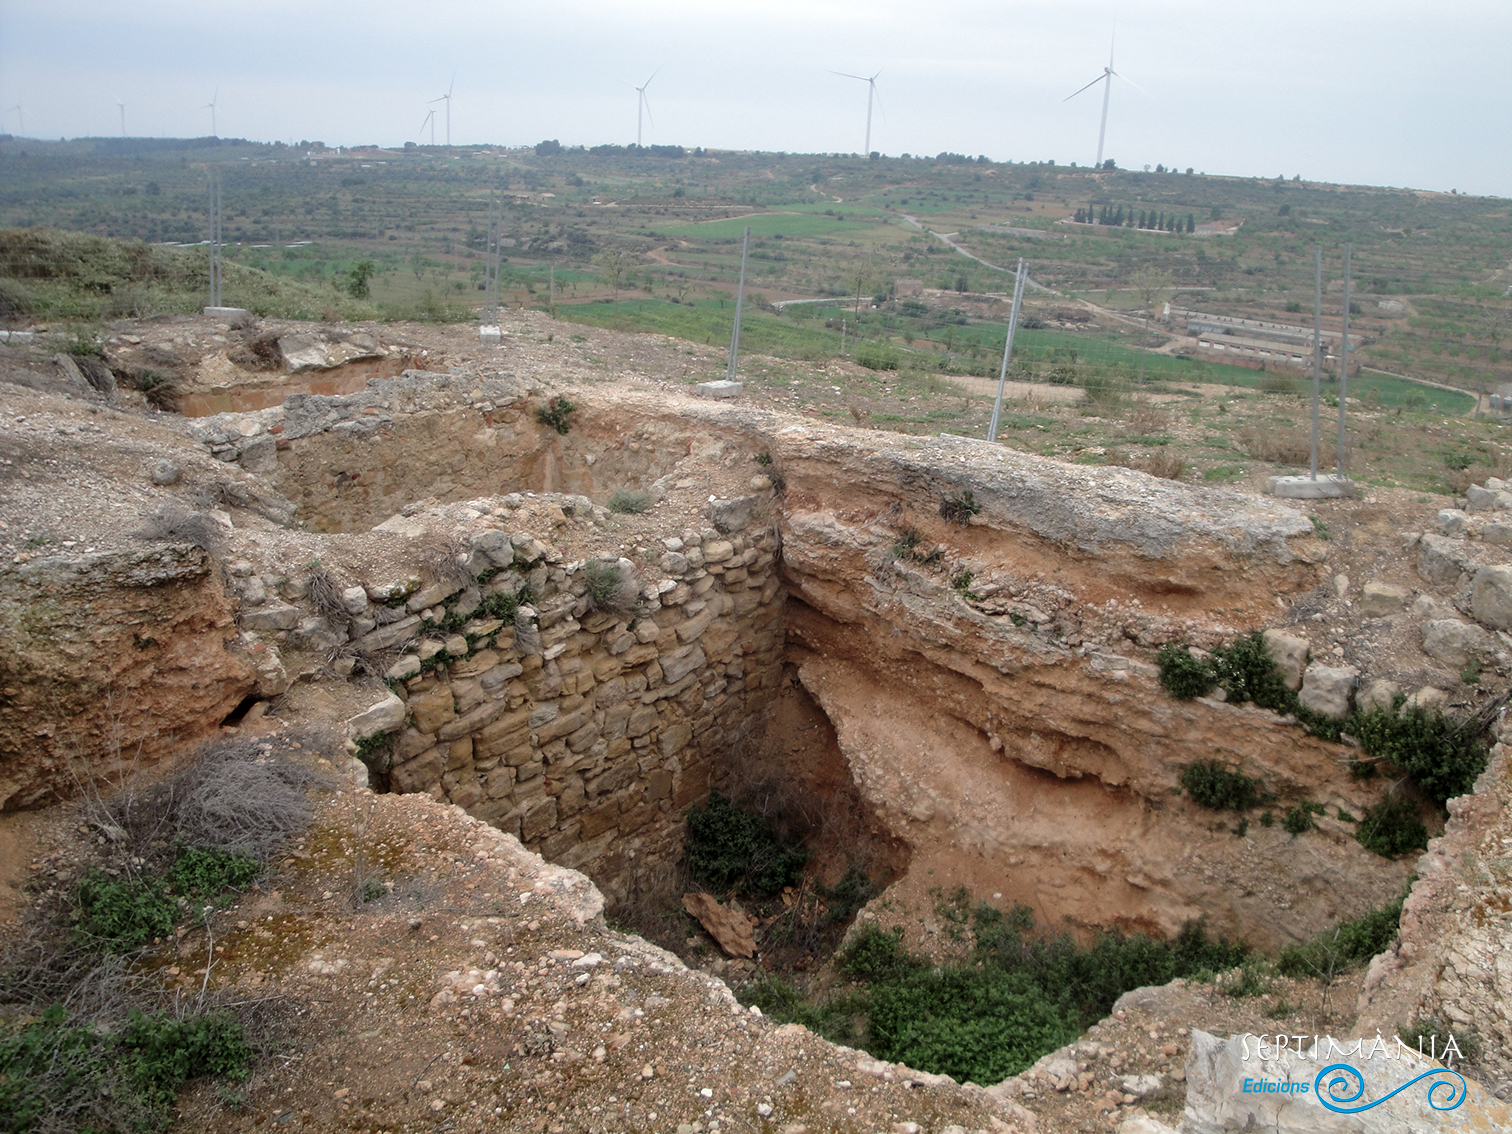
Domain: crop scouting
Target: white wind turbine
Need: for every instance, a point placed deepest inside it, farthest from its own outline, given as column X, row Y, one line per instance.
column 1107, row 78
column 871, row 92
column 20, row 120
column 643, row 105
column 122, row 105
column 430, row 119
column 210, row 106
column 446, row 98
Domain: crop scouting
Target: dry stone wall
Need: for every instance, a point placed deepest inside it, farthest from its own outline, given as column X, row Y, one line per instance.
column 579, row 705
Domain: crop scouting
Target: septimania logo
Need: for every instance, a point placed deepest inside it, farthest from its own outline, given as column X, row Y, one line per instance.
column 1340, row 1087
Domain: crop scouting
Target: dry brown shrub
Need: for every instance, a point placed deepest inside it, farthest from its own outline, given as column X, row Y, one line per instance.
column 1144, row 419
column 1278, row 444
column 1164, row 463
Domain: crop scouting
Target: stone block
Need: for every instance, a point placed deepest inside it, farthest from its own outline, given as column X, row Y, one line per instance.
column 719, row 389
column 1491, row 597
column 677, row 666
column 1427, row 698
column 1454, row 643
column 433, row 710
column 718, row 550
column 1305, row 488
column 386, row 636
column 597, row 820
column 430, row 596
column 419, row 773
column 1326, row 689
column 1382, row 600
column 538, row 819
column 228, row 314
column 386, row 716
column 732, row 515
column 274, row 616
column 675, row 738
column 479, row 663
column 564, row 725
column 642, row 721
column 484, row 714
column 1290, row 655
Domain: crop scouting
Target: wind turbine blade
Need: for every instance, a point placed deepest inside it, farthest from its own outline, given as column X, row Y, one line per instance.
column 1132, row 83
column 847, row 75
column 1079, row 90
column 451, row 85
column 873, row 79
column 653, row 75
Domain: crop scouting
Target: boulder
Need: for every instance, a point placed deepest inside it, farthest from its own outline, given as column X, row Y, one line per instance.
column 1382, row 600
column 1290, row 655
column 1440, row 559
column 1497, row 535
column 165, row 472
column 274, row 616
column 1454, row 643
column 1478, row 499
column 1452, row 521
column 1377, row 694
column 729, row 925
column 1491, row 597
column 1326, row 689
column 732, row 515
column 1428, row 698
column 260, row 455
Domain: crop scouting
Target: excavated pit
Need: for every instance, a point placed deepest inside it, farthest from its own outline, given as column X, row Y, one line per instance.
column 941, row 703
column 1033, row 762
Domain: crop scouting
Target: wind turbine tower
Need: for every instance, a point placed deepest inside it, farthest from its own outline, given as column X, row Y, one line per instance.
column 122, row 105
column 1105, row 78
column 871, row 93
column 210, row 106
column 446, row 98
column 20, row 120
column 430, row 120
column 643, row 106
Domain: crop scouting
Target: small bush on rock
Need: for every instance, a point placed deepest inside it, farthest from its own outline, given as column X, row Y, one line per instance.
column 1212, row 785
column 1392, row 828
column 1183, row 676
column 626, row 502
column 557, row 413
column 959, row 509
column 1443, row 757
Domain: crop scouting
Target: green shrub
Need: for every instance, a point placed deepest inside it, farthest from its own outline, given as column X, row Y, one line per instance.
column 1248, row 673
column 1184, row 676
column 626, row 501
column 1348, row 944
column 961, row 581
column 1443, row 757
column 557, row 413
column 876, row 357
column 120, row 915
column 1392, row 828
column 1212, row 785
column 499, row 605
column 211, row 874
column 731, row 849
column 610, row 587
column 1300, row 817
column 959, row 509
column 60, row 1076
column 1432, row 1036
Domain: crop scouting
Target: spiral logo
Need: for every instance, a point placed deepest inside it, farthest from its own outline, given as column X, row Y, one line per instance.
column 1335, row 1082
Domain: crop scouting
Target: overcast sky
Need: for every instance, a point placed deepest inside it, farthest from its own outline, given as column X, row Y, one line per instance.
column 1384, row 93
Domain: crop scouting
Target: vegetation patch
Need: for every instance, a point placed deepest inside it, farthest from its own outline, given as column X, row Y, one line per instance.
column 557, row 413
column 985, row 1018
column 1212, row 785
column 629, row 502
column 1392, row 828
column 730, row 849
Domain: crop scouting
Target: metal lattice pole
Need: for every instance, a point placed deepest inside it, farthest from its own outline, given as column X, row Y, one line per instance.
column 1317, row 353
column 1344, row 361
column 739, row 299
column 1013, row 314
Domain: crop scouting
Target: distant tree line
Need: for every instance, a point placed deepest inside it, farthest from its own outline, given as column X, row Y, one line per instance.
column 551, row 147
column 1128, row 218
